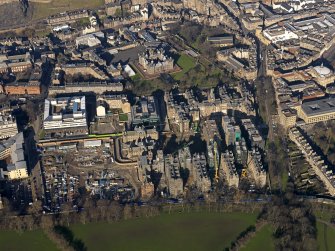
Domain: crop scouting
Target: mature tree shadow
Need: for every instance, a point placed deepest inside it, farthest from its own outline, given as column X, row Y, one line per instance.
column 68, row 235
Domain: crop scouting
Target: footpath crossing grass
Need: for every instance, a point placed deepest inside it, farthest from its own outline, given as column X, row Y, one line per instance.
column 26, row 241
column 177, row 232
column 326, row 237
column 261, row 241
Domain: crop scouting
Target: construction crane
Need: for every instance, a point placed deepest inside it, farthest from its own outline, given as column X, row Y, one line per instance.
column 244, row 170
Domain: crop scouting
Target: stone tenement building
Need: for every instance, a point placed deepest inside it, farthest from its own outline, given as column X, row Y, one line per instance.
column 155, row 61
column 69, row 17
column 24, row 88
column 15, row 63
column 97, row 87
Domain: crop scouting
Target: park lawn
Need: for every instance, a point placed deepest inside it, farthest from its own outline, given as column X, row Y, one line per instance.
column 206, row 84
column 261, row 241
column 178, row 232
column 195, row 45
column 123, row 117
column 26, row 241
column 43, row 10
column 325, row 237
column 135, row 77
column 323, row 215
column 284, row 179
column 186, row 63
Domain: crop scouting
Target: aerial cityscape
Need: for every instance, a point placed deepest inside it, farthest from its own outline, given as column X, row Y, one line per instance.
column 167, row 125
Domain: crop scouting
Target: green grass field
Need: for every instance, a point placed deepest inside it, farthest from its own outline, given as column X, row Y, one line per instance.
column 284, row 179
column 323, row 215
column 186, row 63
column 136, row 77
column 27, row 241
column 261, row 241
column 42, row 10
column 326, row 237
column 123, row 117
column 178, row 232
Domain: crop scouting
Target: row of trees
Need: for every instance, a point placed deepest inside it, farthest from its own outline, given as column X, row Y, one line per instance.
column 111, row 211
column 206, row 77
column 64, row 238
column 93, row 211
column 243, row 235
column 293, row 222
column 61, row 242
column 324, row 137
column 196, row 35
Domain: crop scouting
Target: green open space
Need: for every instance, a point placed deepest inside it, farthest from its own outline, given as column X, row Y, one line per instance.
column 198, row 41
column 123, row 117
column 43, row 10
column 325, row 237
column 192, row 231
column 324, row 215
column 186, row 63
column 136, row 77
column 261, row 241
column 27, row 241
column 284, row 180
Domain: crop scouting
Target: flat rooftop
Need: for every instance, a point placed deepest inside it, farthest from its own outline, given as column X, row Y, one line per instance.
column 319, row 107
column 62, row 108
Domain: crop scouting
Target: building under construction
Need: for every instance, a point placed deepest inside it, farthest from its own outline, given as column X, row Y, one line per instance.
column 213, row 158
